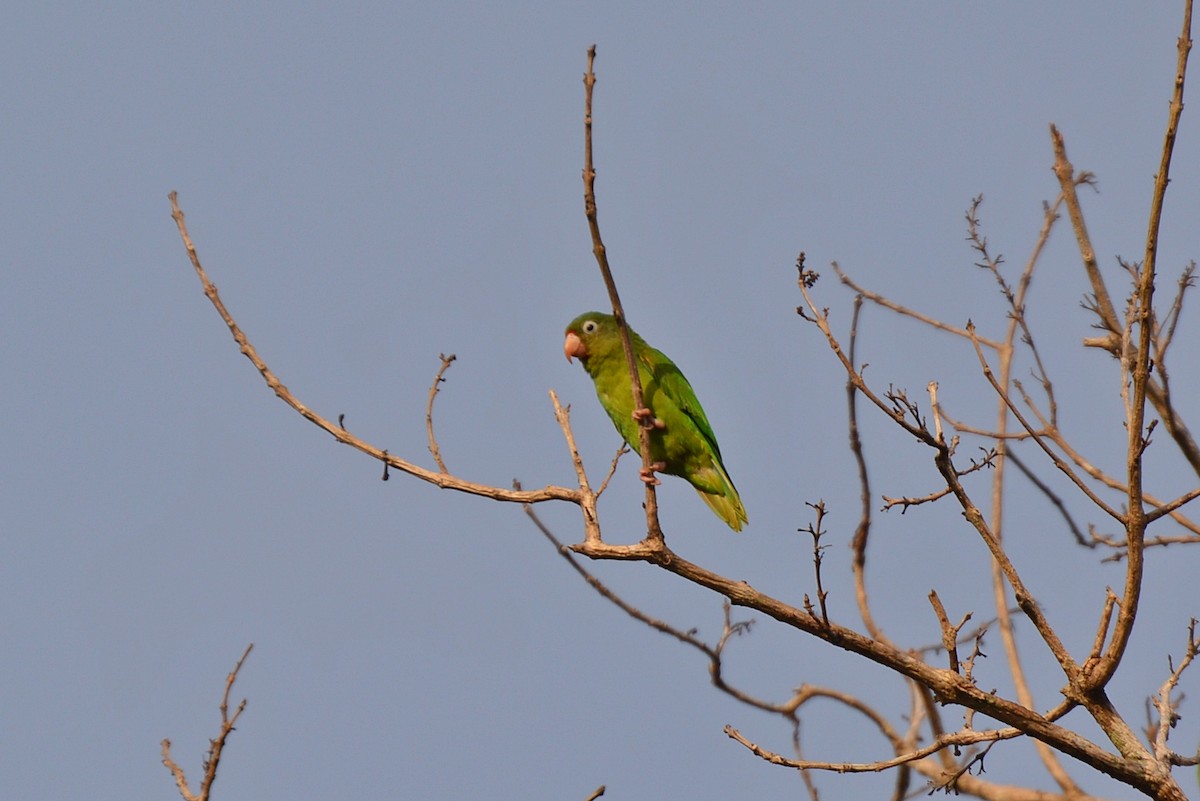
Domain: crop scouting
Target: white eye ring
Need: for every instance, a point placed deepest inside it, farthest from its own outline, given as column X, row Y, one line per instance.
column 590, row 327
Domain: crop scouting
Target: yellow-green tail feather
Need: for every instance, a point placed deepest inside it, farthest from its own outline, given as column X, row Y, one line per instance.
column 715, row 488
column 727, row 507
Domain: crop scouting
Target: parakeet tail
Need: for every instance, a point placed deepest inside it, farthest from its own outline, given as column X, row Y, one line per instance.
column 727, row 505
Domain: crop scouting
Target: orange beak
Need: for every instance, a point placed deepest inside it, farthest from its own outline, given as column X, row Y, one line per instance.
column 574, row 346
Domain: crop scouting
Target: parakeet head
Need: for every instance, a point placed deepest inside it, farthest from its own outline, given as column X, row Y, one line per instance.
column 592, row 334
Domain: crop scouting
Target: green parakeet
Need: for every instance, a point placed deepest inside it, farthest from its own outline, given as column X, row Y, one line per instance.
column 682, row 442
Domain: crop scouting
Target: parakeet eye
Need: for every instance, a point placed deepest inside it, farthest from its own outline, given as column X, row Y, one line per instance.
column 590, row 327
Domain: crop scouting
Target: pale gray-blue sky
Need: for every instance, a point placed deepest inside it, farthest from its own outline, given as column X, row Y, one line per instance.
column 374, row 184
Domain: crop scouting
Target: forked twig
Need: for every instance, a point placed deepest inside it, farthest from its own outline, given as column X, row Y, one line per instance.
column 215, row 746
column 816, row 529
column 1165, row 705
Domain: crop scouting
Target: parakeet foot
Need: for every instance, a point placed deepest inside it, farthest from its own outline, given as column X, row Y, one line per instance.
column 647, row 473
column 642, row 414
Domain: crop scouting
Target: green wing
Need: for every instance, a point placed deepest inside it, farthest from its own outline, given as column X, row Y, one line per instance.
column 679, row 391
column 688, row 438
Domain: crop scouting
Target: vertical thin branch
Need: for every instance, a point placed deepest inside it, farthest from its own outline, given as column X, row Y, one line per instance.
column 433, row 391
column 1161, row 180
column 654, row 530
column 863, row 531
column 1136, row 521
column 587, row 498
column 817, row 530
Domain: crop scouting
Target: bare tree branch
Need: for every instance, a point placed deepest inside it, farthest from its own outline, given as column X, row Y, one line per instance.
column 215, row 746
column 337, row 431
column 653, row 528
column 1136, row 519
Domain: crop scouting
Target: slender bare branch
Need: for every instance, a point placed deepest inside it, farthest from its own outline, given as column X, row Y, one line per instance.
column 862, row 532
column 612, row 468
column 1186, row 281
column 959, row 738
column 905, row 502
column 1055, row 500
column 433, row 391
column 586, row 498
column 337, row 430
column 653, row 528
column 904, row 311
column 1053, row 434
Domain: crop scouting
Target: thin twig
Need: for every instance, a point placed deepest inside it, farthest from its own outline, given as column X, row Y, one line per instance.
column 1051, row 496
column 612, row 468
column 959, row 738
column 433, row 391
column 1186, row 281
column 587, row 498
column 988, row 460
column 904, row 311
column 949, row 630
column 817, row 531
column 1068, row 181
